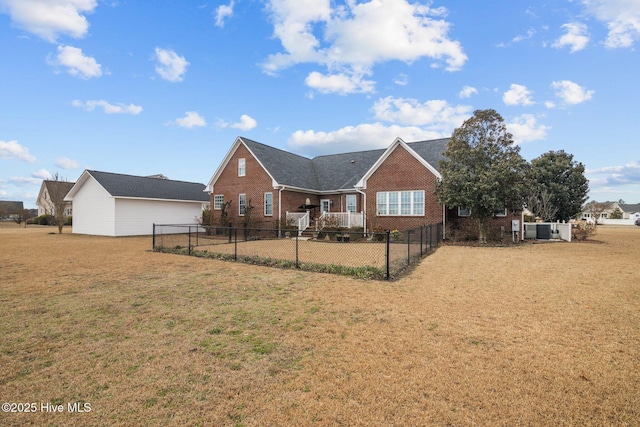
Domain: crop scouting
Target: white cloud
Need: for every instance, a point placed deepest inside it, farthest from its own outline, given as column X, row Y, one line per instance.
column 66, row 163
column 622, row 17
column 530, row 33
column 616, row 175
column 436, row 115
column 21, row 180
column 42, row 174
column 171, row 66
column 571, row 93
column 349, row 39
column 76, row 62
column 13, row 150
column 107, row 107
column 467, row 91
column 526, row 128
column 356, row 138
column 341, row 83
column 222, row 12
column 190, row 120
column 246, row 123
column 576, row 37
column 50, row 18
column 401, row 79
column 517, row 95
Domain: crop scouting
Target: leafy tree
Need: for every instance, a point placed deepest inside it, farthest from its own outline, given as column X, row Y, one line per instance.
column 616, row 214
column 563, row 179
column 483, row 170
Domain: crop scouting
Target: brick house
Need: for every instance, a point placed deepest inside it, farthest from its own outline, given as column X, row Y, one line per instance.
column 386, row 189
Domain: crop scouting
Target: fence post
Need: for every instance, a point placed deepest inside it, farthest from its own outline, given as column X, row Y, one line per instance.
column 421, row 237
column 235, row 243
column 189, row 250
column 153, row 240
column 388, row 255
column 297, row 264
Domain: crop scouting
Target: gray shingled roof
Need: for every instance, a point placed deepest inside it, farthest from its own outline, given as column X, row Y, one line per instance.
column 149, row 188
column 336, row 171
column 630, row 208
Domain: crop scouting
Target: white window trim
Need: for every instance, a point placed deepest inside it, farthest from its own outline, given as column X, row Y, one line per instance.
column 399, row 204
column 219, row 207
column 355, row 202
column 460, row 214
column 265, row 204
column 502, row 214
column 241, row 205
column 242, row 167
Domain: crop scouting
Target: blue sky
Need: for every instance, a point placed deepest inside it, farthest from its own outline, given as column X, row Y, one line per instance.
column 145, row 87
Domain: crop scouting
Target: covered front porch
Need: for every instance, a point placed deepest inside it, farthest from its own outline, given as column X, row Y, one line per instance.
column 326, row 220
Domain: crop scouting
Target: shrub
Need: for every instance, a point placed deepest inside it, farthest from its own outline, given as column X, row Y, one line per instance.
column 582, row 230
column 44, row 220
column 68, row 221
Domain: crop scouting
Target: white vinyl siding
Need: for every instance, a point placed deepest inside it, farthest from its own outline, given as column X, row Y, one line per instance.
column 268, row 204
column 242, row 204
column 400, row 203
column 218, row 201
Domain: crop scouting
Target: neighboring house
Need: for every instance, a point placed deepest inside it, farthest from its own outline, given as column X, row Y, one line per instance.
column 44, row 202
column 10, row 211
column 630, row 211
column 110, row 204
column 602, row 213
column 391, row 188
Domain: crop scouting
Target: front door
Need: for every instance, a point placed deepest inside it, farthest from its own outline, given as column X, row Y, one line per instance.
column 325, row 205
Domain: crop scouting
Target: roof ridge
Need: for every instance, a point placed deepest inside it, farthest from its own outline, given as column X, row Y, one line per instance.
column 144, row 177
column 274, row 148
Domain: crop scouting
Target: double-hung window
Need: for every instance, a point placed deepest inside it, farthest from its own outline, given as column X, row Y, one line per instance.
column 268, row 204
column 400, row 203
column 242, row 204
column 351, row 203
column 242, row 168
column 218, row 201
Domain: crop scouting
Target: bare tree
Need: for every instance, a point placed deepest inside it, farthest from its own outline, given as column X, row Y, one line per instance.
column 541, row 205
column 57, row 194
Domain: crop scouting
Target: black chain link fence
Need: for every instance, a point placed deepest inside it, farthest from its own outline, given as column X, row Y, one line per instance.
column 382, row 255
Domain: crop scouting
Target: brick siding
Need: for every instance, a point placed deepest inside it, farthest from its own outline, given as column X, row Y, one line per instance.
column 402, row 172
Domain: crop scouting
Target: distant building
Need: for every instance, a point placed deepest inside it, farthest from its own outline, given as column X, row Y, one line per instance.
column 111, row 204
column 9, row 211
column 44, row 201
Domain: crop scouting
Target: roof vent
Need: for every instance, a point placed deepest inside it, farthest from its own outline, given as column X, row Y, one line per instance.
column 353, row 161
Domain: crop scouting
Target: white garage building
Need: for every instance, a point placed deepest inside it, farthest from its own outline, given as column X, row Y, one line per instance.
column 110, row 204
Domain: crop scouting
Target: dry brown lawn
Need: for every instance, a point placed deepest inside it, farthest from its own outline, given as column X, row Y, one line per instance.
column 536, row 335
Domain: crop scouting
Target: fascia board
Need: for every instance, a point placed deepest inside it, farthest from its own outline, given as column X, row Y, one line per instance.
column 79, row 183
column 209, row 188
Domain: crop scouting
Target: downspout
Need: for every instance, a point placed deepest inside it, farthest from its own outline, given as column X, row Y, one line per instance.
column 444, row 221
column 364, row 208
column 280, row 210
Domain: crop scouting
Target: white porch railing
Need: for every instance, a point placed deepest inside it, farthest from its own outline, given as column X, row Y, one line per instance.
column 341, row 219
column 299, row 219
